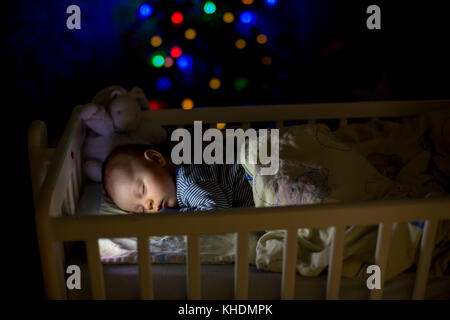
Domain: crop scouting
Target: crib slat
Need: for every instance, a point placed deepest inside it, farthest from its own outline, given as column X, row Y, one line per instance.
column 289, row 264
column 381, row 256
column 193, row 267
column 335, row 264
column 145, row 269
column 95, row 270
column 70, row 199
column 423, row 267
column 76, row 188
column 241, row 267
column 79, row 171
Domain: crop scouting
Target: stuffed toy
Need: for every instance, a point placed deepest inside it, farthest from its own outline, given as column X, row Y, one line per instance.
column 116, row 117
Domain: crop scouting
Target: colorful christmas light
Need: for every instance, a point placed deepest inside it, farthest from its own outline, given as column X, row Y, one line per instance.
column 176, row 52
column 209, row 7
column 190, row 34
column 156, row 41
column 177, row 17
column 145, row 10
column 247, row 17
column 187, row 104
column 158, row 60
column 240, row 43
column 163, row 83
column 214, row 83
column 228, row 17
column 184, row 62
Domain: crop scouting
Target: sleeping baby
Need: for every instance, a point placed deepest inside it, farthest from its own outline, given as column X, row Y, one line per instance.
column 142, row 179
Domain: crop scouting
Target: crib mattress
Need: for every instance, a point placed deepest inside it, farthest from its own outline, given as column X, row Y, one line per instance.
column 217, row 281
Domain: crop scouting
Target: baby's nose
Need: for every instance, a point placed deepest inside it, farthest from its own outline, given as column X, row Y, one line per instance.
column 149, row 204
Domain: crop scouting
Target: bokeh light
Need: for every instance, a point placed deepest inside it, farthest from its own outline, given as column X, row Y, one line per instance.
column 247, row 2
column 218, row 70
column 240, row 83
column 209, row 7
column 177, row 17
column 184, row 62
column 168, row 62
column 261, row 38
column 214, row 83
column 228, row 17
column 221, row 125
column 267, row 60
column 176, row 52
column 271, row 2
column 145, row 10
column 157, row 60
column 156, row 41
column 163, row 83
column 187, row 104
column 190, row 34
column 247, row 17
column 155, row 104
column 240, row 43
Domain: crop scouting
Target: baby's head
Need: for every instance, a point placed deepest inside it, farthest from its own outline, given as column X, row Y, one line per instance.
column 139, row 179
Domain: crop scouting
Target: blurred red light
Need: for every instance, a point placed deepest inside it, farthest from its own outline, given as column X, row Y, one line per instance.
column 176, row 52
column 177, row 17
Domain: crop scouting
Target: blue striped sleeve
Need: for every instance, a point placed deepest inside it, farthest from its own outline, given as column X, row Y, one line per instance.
column 203, row 195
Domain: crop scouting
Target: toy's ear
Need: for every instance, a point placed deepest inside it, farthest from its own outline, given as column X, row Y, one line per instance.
column 105, row 95
column 140, row 97
column 117, row 92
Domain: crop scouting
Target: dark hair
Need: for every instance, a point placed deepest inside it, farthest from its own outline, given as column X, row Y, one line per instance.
column 134, row 150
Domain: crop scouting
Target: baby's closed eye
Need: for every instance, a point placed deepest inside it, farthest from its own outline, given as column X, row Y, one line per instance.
column 142, row 190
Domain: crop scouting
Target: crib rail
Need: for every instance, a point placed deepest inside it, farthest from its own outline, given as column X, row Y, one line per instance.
column 254, row 219
column 57, row 198
column 311, row 112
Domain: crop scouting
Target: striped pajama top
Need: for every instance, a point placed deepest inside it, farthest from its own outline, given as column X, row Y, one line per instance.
column 216, row 186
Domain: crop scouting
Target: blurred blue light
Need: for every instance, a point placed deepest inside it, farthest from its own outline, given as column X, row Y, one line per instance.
column 184, row 62
column 163, row 83
column 145, row 10
column 247, row 17
column 271, row 2
column 218, row 70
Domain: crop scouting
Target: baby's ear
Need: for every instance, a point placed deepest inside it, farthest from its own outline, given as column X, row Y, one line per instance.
column 155, row 157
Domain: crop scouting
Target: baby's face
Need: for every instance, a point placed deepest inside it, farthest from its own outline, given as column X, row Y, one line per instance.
column 145, row 188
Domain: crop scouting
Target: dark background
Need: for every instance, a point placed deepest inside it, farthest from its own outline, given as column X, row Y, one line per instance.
column 321, row 50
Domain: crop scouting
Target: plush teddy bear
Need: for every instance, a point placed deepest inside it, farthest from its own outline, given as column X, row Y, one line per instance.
column 116, row 117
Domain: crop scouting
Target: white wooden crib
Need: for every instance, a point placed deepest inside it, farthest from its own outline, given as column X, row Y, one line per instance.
column 57, row 181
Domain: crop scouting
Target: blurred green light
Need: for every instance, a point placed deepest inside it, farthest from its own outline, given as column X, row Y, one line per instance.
column 158, row 60
column 209, row 7
column 240, row 83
